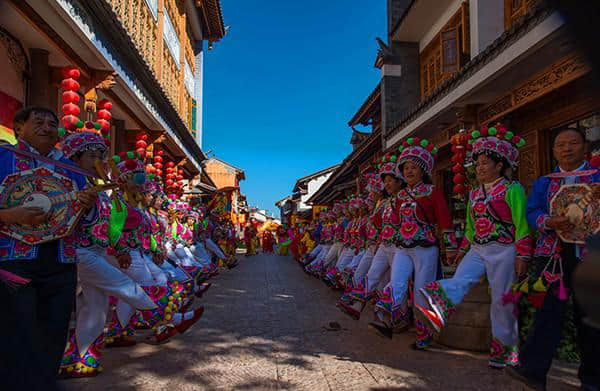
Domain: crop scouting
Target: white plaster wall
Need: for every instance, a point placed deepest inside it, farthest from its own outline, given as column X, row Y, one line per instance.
column 441, row 21
column 313, row 186
column 486, row 23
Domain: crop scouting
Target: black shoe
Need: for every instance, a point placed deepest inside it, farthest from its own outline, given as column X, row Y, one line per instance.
column 381, row 330
column 520, row 374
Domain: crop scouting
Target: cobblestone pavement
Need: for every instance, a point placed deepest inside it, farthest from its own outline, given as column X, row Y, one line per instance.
column 263, row 329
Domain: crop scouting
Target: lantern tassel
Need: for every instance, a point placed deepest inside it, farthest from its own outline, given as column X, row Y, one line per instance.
column 562, row 291
column 12, row 280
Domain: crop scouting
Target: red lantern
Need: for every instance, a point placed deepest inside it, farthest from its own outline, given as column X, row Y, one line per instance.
column 104, row 123
column 179, row 177
column 170, row 164
column 160, row 153
column 159, row 172
column 459, row 179
column 458, row 168
column 169, row 183
column 104, row 114
column 70, row 72
column 70, row 109
column 70, row 97
column 158, row 158
column 459, row 189
column 157, row 164
column 69, row 85
column 141, row 144
column 180, row 172
column 105, row 104
column 180, row 184
column 69, row 120
column 141, row 151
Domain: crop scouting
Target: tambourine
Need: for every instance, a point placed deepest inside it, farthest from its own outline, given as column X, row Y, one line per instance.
column 576, row 202
column 49, row 191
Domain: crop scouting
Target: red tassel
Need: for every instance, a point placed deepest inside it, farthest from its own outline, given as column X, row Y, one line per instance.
column 562, row 291
column 537, row 299
column 12, row 280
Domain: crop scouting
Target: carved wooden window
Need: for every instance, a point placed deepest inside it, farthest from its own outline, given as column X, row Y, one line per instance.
column 450, row 50
column 515, row 9
column 446, row 53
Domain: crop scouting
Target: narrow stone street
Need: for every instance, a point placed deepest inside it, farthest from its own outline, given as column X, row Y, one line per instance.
column 264, row 329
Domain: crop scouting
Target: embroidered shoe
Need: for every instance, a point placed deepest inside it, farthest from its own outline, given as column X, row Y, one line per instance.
column 186, row 324
column 430, row 318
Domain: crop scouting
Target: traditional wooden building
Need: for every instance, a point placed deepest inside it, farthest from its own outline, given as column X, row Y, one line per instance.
column 145, row 56
column 227, row 177
column 510, row 61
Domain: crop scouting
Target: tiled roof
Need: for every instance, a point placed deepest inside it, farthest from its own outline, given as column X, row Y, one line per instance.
column 366, row 106
column 214, row 28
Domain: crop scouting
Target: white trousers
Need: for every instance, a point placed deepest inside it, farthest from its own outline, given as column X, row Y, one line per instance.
column 420, row 260
column 497, row 261
column 199, row 251
column 315, row 251
column 364, row 265
column 99, row 279
column 381, row 263
column 356, row 259
column 321, row 255
column 344, row 259
column 214, row 248
column 175, row 273
column 332, row 255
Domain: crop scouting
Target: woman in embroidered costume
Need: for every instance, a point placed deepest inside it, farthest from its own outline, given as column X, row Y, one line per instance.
column 372, row 229
column 317, row 238
column 423, row 217
column 556, row 261
column 250, row 239
column 283, row 240
column 497, row 240
column 380, row 265
column 130, row 234
column 267, row 241
column 340, row 210
column 97, row 277
column 314, row 266
column 358, row 244
column 333, row 275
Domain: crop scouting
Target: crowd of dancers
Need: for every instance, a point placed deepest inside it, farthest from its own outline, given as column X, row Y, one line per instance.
column 138, row 260
column 384, row 248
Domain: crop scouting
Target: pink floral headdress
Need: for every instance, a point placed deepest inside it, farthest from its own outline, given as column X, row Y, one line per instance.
column 420, row 152
column 83, row 141
column 497, row 140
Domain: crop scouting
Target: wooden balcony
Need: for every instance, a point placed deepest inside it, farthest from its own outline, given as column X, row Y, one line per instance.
column 145, row 26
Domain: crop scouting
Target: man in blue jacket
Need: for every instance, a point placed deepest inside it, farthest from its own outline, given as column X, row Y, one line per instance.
column 538, row 351
column 35, row 316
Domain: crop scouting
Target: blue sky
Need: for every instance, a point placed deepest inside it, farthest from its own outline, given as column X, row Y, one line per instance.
column 281, row 87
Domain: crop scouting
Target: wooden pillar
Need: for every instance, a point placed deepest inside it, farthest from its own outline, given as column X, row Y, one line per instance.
column 39, row 85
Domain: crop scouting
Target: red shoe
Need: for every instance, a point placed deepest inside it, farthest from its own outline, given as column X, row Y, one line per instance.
column 165, row 334
column 203, row 288
column 431, row 318
column 186, row 324
column 348, row 310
